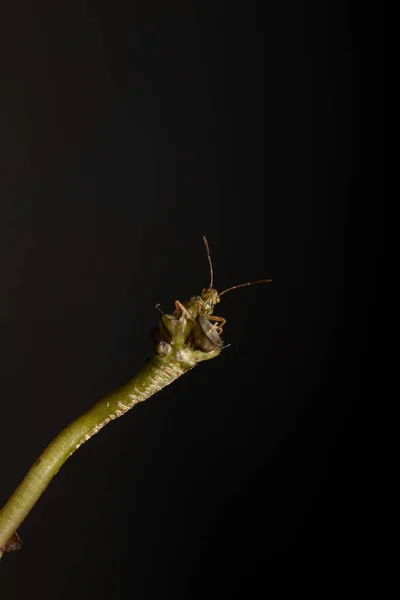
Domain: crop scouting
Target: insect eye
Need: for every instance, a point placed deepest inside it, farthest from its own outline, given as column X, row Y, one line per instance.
column 218, row 300
column 203, row 291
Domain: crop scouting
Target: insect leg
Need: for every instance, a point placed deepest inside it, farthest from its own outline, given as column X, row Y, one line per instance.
column 221, row 320
column 180, row 309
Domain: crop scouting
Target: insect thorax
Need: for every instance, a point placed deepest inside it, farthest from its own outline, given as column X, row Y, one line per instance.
column 204, row 304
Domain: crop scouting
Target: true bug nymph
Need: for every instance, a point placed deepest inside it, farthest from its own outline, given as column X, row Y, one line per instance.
column 201, row 308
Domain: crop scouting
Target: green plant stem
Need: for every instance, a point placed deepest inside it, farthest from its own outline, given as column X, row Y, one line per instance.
column 183, row 344
column 156, row 375
column 174, row 358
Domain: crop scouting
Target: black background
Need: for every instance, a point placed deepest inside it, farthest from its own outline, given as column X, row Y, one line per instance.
column 128, row 132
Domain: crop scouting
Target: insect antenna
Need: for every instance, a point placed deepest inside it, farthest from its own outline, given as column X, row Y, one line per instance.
column 234, row 287
column 209, row 262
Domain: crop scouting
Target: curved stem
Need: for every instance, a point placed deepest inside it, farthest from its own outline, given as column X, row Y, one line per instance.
column 177, row 353
column 156, row 375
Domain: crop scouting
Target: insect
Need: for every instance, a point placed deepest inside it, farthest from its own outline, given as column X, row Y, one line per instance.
column 200, row 309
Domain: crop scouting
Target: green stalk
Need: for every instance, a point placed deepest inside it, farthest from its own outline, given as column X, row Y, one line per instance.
column 177, row 353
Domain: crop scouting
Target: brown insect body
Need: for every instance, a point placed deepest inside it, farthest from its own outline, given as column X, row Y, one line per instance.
column 206, row 335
